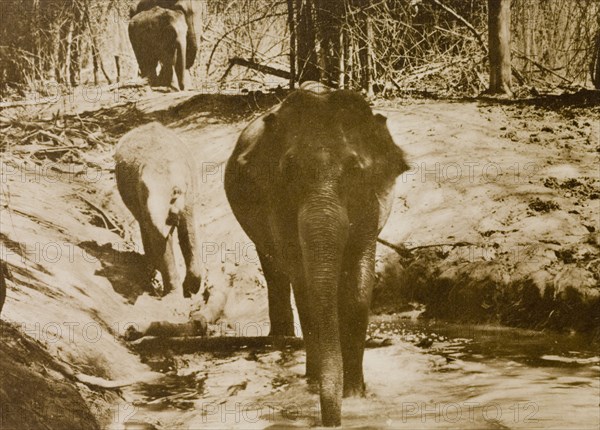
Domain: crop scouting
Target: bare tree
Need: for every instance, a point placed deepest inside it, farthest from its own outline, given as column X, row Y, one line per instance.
column 499, row 46
column 595, row 64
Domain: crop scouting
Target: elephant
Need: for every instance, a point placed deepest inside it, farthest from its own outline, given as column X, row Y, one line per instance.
column 157, row 180
column 311, row 182
column 191, row 10
column 158, row 35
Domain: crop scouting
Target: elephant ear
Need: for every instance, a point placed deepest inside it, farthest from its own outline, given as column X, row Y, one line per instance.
column 391, row 155
column 256, row 137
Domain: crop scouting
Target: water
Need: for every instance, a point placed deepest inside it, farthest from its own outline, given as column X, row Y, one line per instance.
column 459, row 377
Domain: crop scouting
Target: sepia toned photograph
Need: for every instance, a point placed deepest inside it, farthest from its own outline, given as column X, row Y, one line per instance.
column 289, row 214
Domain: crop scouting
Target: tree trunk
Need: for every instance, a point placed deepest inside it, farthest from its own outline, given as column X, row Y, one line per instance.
column 365, row 47
column 595, row 64
column 499, row 46
column 69, row 54
column 293, row 41
column 328, row 25
column 342, row 60
column 307, row 68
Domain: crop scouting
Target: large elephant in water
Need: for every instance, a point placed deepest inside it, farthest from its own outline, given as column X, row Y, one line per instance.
column 191, row 11
column 157, row 180
column 311, row 182
column 158, row 36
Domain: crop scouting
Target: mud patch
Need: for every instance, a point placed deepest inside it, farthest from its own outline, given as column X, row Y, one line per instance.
column 485, row 292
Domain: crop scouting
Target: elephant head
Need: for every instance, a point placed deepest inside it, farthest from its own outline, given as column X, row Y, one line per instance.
column 190, row 8
column 324, row 166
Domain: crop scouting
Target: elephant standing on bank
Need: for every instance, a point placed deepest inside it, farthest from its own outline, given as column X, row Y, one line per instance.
column 157, row 180
column 157, row 26
column 311, row 182
column 158, row 36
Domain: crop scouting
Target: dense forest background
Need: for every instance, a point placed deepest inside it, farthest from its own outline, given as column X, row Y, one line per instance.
column 438, row 46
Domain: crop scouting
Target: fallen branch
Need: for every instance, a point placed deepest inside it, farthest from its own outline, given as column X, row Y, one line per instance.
column 256, row 66
column 435, row 245
column 192, row 344
column 407, row 252
column 402, row 251
column 542, row 67
column 110, row 223
column 52, row 136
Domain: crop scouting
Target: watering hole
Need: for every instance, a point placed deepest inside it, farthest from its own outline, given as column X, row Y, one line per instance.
column 434, row 375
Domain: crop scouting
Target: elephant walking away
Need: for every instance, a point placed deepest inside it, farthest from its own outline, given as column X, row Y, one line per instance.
column 191, row 9
column 158, row 36
column 311, row 182
column 157, row 180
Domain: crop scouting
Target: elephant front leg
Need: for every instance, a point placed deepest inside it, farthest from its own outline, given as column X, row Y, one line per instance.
column 155, row 250
column 280, row 306
column 308, row 330
column 152, row 250
column 355, row 299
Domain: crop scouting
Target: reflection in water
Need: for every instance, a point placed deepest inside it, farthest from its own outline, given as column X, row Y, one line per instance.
column 459, row 377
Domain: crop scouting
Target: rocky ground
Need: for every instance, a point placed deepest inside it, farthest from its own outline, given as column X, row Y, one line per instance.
column 497, row 221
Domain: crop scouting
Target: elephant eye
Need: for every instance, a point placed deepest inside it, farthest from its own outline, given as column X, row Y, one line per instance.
column 353, row 164
column 290, row 168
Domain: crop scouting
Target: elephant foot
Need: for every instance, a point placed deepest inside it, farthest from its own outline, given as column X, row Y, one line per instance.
column 157, row 285
column 191, row 285
column 355, row 389
column 282, row 330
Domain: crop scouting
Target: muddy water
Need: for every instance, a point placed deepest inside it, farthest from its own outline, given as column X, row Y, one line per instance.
column 432, row 376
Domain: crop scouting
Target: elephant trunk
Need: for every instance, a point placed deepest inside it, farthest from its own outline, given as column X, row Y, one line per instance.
column 189, row 241
column 323, row 230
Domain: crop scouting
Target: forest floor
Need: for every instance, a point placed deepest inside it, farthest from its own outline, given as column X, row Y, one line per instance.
column 497, row 221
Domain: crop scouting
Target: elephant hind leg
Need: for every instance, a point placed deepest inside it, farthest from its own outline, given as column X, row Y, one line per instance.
column 165, row 76
column 179, row 61
column 148, row 70
column 279, row 290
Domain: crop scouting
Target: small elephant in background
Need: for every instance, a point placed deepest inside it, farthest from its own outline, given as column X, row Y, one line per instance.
column 159, row 36
column 157, row 180
column 311, row 182
column 192, row 12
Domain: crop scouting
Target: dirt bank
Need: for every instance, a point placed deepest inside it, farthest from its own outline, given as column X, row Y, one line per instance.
column 497, row 221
